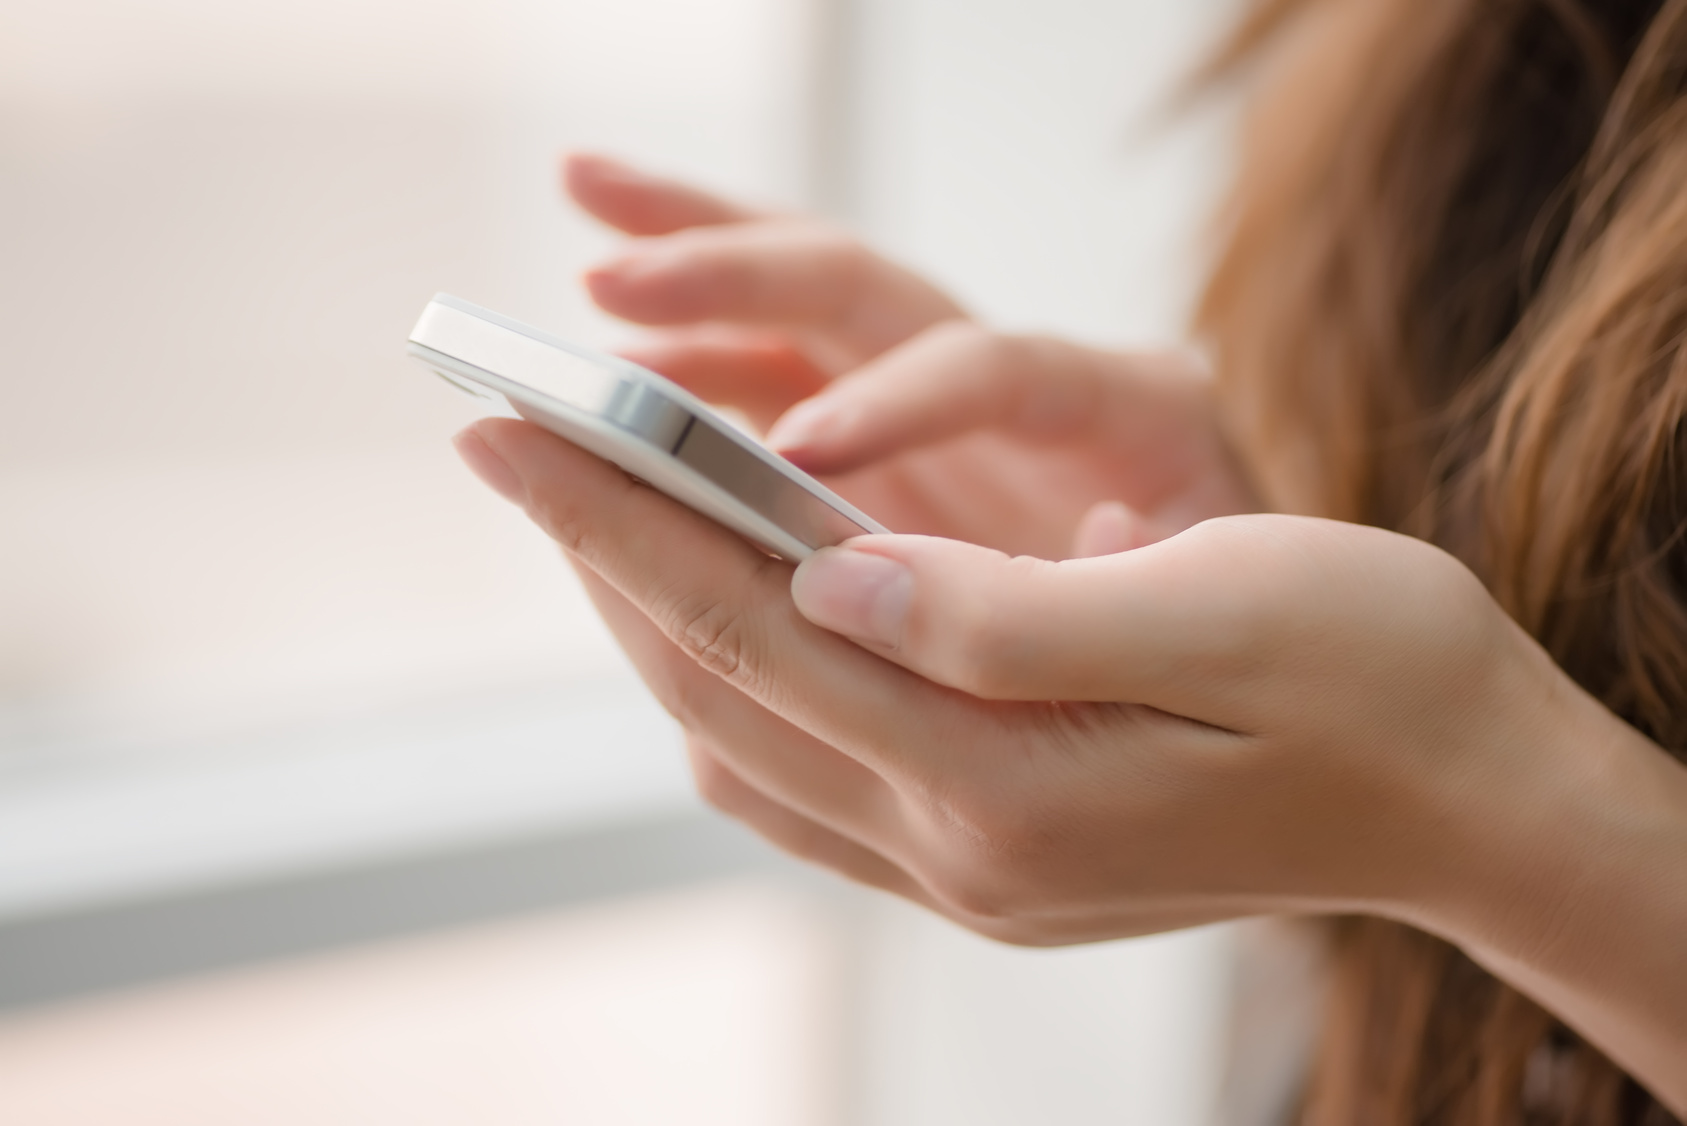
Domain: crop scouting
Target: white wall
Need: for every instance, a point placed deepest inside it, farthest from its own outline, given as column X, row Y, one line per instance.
column 1022, row 151
column 1017, row 150
column 963, row 1032
column 227, row 500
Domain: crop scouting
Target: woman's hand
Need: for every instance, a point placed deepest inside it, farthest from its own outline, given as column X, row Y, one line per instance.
column 1258, row 714
column 925, row 420
column 1261, row 714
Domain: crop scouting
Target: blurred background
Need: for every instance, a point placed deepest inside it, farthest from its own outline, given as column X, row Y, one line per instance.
column 323, row 796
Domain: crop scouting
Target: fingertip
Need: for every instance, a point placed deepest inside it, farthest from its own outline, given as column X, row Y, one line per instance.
column 947, row 610
column 498, row 432
column 602, row 281
column 820, row 435
column 620, row 287
column 638, row 202
column 805, row 425
column 617, row 193
column 486, row 462
column 813, row 458
column 1111, row 527
column 577, row 170
column 526, row 448
column 859, row 594
column 815, row 465
column 591, row 180
column 581, row 165
column 648, row 285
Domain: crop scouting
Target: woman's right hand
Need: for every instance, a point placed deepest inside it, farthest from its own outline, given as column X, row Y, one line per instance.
column 877, row 382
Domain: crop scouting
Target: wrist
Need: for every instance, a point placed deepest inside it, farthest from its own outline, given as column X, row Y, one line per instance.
column 1568, row 879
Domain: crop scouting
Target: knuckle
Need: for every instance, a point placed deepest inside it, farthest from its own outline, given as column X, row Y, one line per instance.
column 990, row 888
column 998, row 860
column 561, row 521
column 984, row 643
column 711, row 633
column 717, row 632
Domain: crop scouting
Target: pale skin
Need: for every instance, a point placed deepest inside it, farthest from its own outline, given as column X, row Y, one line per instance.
column 1261, row 713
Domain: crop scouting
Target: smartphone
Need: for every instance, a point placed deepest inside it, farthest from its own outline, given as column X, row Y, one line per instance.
column 650, row 427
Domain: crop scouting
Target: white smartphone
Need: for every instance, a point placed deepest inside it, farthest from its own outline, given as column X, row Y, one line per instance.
column 645, row 424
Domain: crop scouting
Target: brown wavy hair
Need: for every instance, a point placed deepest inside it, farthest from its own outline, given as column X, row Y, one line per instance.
column 1452, row 300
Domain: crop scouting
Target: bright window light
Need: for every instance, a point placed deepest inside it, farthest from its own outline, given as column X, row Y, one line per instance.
column 226, row 496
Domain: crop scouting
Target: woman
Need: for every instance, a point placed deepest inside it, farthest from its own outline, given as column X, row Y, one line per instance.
column 1436, row 686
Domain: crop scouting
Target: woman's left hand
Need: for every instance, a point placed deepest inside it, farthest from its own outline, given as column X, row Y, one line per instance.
column 1262, row 713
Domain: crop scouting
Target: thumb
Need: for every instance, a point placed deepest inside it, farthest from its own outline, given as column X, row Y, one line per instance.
column 1144, row 627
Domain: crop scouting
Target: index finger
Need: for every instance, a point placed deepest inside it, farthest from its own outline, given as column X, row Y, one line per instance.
column 728, row 606
column 638, row 203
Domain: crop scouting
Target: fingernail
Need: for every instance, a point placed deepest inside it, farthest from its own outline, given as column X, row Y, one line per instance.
column 494, row 472
column 854, row 593
column 604, row 273
column 802, row 425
